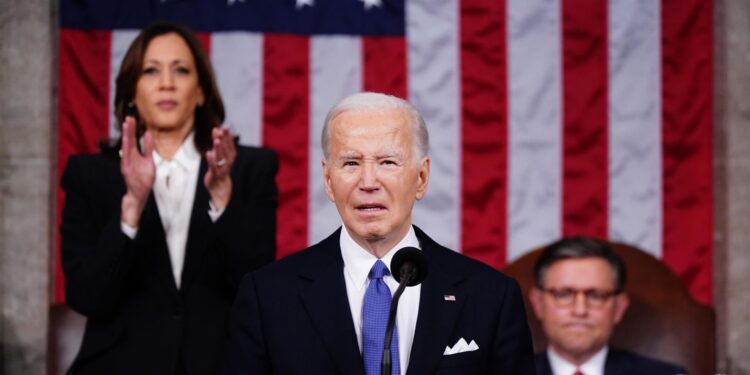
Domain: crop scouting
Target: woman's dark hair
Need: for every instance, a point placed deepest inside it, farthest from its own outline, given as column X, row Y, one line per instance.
column 579, row 247
column 207, row 116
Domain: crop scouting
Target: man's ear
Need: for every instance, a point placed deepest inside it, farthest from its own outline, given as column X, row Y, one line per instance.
column 327, row 179
column 535, row 297
column 622, row 301
column 423, row 177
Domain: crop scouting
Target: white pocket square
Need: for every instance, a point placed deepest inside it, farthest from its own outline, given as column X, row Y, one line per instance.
column 460, row 347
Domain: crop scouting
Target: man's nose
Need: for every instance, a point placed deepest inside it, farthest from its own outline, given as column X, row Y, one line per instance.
column 580, row 306
column 369, row 178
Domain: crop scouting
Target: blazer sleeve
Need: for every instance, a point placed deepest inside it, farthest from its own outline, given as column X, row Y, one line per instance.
column 246, row 231
column 96, row 255
column 514, row 353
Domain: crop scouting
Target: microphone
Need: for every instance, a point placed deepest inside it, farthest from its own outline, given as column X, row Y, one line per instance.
column 409, row 263
column 409, row 268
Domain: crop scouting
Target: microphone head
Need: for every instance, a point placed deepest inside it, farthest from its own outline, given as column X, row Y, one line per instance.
column 409, row 260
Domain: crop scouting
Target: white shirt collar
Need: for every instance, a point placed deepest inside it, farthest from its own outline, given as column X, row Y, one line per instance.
column 594, row 366
column 187, row 156
column 358, row 261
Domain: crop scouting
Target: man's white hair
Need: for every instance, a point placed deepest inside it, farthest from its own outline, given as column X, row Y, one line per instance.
column 377, row 102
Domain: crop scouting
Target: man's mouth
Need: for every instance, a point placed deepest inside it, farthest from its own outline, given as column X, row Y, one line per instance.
column 578, row 326
column 370, row 207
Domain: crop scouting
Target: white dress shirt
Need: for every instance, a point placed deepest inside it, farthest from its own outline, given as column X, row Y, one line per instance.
column 174, row 191
column 357, row 265
column 594, row 366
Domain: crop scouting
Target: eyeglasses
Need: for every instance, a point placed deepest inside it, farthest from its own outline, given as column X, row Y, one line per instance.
column 566, row 297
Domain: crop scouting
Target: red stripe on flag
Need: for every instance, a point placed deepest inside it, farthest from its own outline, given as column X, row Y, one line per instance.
column 585, row 155
column 687, row 142
column 484, row 115
column 384, row 62
column 83, row 118
column 286, row 118
column 205, row 41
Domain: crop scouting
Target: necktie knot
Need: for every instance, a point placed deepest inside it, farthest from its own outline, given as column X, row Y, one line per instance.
column 378, row 270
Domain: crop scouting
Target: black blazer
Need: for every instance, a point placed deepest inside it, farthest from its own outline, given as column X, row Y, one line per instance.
column 138, row 321
column 620, row 362
column 293, row 317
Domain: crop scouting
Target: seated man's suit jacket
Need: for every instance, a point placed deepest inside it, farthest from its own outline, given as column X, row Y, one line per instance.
column 293, row 317
column 138, row 321
column 620, row 362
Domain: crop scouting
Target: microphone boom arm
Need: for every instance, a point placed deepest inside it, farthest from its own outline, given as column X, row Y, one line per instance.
column 406, row 276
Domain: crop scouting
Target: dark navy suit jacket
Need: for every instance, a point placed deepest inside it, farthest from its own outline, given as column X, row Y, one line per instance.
column 293, row 317
column 620, row 362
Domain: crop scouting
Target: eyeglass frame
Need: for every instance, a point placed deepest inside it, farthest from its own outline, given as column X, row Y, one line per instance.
column 593, row 298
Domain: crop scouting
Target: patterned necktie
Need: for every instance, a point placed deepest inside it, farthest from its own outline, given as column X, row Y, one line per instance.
column 375, row 309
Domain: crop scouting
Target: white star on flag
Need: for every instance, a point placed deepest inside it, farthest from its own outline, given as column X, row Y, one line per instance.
column 301, row 3
column 231, row 2
column 372, row 3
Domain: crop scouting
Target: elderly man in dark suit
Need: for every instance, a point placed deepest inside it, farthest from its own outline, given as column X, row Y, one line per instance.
column 579, row 297
column 320, row 311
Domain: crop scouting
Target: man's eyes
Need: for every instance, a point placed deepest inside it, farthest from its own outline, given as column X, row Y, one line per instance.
column 597, row 295
column 386, row 162
column 565, row 293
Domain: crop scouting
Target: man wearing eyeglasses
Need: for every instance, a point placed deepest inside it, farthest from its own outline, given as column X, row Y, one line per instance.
column 579, row 297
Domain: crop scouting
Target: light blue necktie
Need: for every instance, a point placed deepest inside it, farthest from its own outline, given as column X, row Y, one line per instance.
column 375, row 309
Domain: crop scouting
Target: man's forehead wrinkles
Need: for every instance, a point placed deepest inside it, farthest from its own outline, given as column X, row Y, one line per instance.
column 349, row 155
column 380, row 155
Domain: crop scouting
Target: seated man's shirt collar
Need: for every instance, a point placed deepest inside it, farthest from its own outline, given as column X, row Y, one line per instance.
column 594, row 366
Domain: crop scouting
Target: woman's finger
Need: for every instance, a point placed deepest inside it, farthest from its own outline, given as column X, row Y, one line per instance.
column 229, row 147
column 148, row 145
column 219, row 155
column 225, row 146
column 128, row 135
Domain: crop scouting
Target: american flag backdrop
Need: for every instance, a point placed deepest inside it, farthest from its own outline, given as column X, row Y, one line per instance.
column 546, row 117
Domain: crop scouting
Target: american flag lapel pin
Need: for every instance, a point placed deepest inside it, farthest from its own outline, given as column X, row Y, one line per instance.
column 449, row 297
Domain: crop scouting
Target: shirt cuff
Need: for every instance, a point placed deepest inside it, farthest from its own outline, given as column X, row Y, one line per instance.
column 213, row 212
column 128, row 230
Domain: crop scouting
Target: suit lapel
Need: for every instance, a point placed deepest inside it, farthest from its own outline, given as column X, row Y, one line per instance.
column 323, row 293
column 542, row 364
column 616, row 363
column 155, row 239
column 200, row 223
column 437, row 315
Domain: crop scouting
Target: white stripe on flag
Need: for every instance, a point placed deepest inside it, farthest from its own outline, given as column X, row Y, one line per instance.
column 432, row 28
column 335, row 72
column 237, row 58
column 121, row 40
column 535, row 121
column 635, row 201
